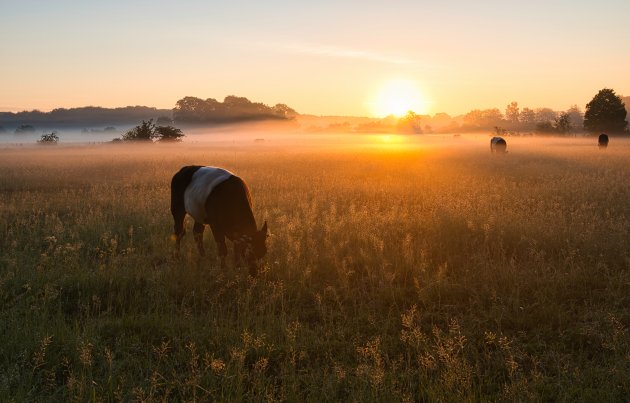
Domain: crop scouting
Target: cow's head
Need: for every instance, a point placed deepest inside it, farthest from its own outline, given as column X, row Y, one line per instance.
column 254, row 248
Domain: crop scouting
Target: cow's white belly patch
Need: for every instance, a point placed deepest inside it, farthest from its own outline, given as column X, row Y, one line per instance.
column 200, row 187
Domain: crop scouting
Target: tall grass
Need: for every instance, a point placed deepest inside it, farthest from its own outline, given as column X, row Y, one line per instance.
column 398, row 273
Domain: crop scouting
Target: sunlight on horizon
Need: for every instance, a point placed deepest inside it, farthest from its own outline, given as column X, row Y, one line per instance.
column 397, row 97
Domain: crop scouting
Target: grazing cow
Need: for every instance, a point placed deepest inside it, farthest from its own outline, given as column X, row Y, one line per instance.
column 602, row 140
column 221, row 199
column 498, row 144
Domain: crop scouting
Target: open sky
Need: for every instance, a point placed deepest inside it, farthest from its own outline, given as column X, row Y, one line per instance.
column 320, row 57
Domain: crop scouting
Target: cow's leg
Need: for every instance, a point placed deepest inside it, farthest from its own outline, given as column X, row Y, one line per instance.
column 198, row 233
column 238, row 253
column 178, row 228
column 219, row 238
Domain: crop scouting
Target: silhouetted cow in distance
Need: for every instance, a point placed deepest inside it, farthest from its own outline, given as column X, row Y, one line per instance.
column 602, row 140
column 498, row 144
column 221, row 199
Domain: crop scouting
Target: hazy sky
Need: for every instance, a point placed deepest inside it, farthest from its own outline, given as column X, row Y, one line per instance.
column 320, row 57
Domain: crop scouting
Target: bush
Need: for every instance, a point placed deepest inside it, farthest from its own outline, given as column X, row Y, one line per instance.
column 148, row 131
column 144, row 132
column 168, row 133
column 49, row 138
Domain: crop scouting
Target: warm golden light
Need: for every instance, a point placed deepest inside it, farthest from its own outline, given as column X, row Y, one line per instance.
column 397, row 97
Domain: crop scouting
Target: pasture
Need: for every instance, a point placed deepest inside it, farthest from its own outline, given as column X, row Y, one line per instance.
column 396, row 271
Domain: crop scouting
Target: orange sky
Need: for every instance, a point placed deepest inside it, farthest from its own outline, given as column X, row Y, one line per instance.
column 325, row 58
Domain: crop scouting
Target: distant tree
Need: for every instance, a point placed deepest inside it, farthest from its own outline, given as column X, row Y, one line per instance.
column 410, row 123
column 232, row 109
column 443, row 123
column 283, row 111
column 626, row 101
column 168, row 133
column 562, row 124
column 483, row 119
column 576, row 117
column 192, row 109
column 442, row 118
column 49, row 138
column 512, row 113
column 545, row 128
column 545, row 115
column 605, row 113
column 528, row 117
column 143, row 132
column 109, row 129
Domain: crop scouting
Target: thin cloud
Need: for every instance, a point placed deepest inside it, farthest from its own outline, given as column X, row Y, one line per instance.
column 333, row 51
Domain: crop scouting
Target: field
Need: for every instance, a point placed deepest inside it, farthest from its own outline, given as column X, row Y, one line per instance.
column 397, row 271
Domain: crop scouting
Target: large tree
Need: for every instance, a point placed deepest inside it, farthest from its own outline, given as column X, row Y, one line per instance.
column 605, row 113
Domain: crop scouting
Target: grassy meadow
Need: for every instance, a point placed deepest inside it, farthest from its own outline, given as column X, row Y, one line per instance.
column 396, row 271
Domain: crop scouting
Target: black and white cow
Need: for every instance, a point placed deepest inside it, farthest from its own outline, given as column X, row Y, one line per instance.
column 221, row 199
column 498, row 144
column 602, row 140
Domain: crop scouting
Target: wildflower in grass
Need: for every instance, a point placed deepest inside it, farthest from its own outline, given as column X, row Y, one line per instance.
column 238, row 355
column 39, row 356
column 291, row 330
column 261, row 364
column 85, row 354
column 217, row 365
column 162, row 350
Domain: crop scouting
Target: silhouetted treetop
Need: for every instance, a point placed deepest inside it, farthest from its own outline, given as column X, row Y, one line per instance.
column 605, row 113
column 232, row 109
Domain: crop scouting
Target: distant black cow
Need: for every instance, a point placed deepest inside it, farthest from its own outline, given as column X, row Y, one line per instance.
column 221, row 199
column 602, row 141
column 498, row 144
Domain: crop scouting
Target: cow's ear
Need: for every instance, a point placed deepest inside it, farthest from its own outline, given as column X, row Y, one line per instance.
column 263, row 229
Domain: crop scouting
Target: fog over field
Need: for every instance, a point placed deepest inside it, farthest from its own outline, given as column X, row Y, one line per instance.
column 265, row 135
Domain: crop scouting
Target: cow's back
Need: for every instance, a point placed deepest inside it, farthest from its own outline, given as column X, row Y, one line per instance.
column 203, row 181
column 229, row 208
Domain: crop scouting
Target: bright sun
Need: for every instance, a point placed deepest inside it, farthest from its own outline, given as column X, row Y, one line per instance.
column 397, row 97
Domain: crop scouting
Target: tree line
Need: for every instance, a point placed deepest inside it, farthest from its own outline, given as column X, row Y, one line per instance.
column 606, row 112
column 88, row 116
column 232, row 109
column 188, row 110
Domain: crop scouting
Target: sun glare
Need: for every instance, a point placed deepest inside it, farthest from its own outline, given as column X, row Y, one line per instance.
column 397, row 97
